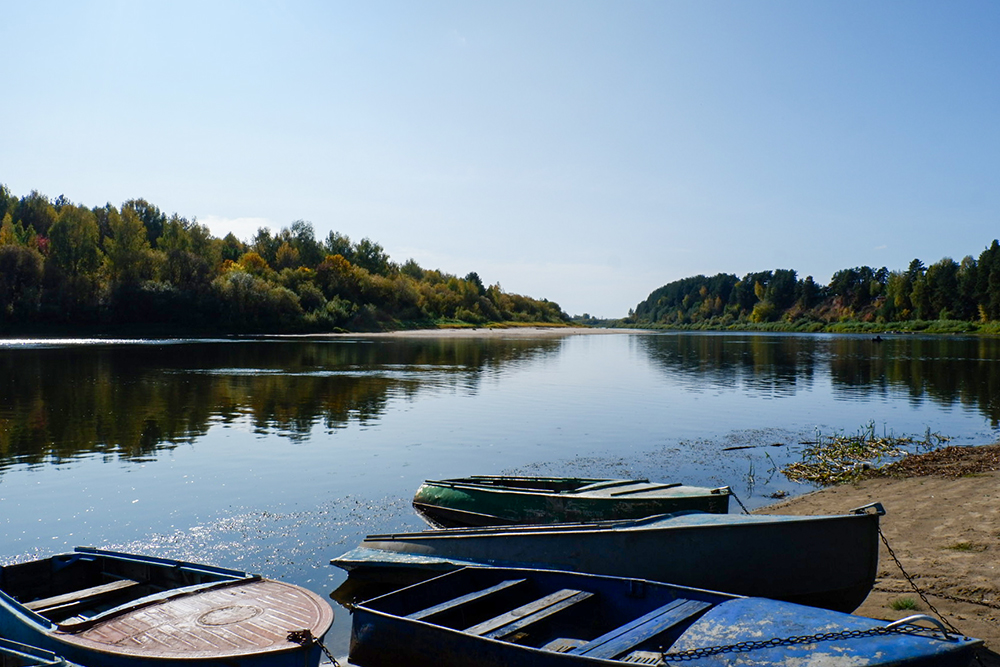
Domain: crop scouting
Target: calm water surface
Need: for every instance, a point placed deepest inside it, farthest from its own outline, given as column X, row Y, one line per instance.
column 274, row 456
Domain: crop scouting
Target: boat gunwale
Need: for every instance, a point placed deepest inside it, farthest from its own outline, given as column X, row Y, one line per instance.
column 628, row 525
column 39, row 657
column 157, row 560
column 583, row 491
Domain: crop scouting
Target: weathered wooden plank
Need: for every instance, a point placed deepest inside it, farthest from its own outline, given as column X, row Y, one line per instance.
column 464, row 599
column 500, row 621
column 541, row 614
column 625, row 638
column 92, row 593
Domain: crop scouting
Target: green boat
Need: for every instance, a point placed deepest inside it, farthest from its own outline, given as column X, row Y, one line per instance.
column 484, row 500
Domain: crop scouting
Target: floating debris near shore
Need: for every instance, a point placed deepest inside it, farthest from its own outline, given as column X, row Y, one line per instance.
column 844, row 458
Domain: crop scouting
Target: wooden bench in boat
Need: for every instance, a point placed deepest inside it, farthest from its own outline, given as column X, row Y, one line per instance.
column 626, row 637
column 427, row 613
column 81, row 597
column 516, row 620
column 511, row 621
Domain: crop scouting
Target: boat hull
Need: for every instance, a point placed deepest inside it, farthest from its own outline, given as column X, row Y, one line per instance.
column 500, row 501
column 620, row 621
column 826, row 561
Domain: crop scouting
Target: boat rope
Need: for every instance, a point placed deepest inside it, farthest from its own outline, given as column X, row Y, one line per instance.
column 733, row 494
column 897, row 628
column 305, row 638
column 909, row 579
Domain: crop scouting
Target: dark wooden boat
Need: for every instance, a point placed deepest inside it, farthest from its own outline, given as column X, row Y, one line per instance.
column 491, row 617
column 108, row 609
column 484, row 500
column 823, row 561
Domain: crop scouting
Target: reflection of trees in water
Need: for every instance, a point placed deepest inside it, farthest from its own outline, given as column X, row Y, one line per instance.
column 766, row 364
column 132, row 400
column 949, row 371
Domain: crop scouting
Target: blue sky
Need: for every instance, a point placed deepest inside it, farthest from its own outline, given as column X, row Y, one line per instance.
column 584, row 152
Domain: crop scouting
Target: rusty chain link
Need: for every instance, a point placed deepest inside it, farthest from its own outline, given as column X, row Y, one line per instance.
column 740, row 647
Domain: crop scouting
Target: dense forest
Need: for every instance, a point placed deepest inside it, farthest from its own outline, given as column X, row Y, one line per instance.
column 947, row 295
column 66, row 266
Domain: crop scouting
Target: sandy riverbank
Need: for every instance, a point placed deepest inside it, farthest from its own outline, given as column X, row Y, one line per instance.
column 943, row 523
column 484, row 332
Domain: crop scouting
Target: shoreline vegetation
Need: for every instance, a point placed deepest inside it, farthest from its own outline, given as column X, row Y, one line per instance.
column 945, row 297
column 68, row 269
column 989, row 328
column 71, row 269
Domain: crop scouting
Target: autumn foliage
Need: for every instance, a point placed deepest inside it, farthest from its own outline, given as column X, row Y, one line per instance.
column 63, row 265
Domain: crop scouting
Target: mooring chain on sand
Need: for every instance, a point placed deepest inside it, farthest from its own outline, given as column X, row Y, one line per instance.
column 914, row 584
column 943, row 596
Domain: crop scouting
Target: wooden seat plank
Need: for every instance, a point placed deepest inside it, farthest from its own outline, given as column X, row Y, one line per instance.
column 94, row 592
column 464, row 599
column 625, row 638
column 533, row 607
column 541, row 614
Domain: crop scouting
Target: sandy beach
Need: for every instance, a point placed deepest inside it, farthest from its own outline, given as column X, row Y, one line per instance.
column 943, row 523
column 482, row 332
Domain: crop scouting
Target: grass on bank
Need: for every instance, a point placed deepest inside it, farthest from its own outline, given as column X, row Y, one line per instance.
column 843, row 458
column 904, row 604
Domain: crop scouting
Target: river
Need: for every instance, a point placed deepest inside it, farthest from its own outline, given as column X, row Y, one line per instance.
column 274, row 455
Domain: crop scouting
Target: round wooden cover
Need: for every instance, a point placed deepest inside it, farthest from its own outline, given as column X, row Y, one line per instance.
column 246, row 618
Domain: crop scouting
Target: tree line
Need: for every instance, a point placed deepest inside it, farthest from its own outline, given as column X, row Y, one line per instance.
column 961, row 292
column 64, row 264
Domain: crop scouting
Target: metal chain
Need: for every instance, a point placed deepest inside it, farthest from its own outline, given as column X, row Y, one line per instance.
column 740, row 647
column 306, row 638
column 912, row 583
column 943, row 596
column 733, row 494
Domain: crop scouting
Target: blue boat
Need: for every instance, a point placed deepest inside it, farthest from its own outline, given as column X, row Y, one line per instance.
column 15, row 654
column 108, row 609
column 823, row 561
column 494, row 617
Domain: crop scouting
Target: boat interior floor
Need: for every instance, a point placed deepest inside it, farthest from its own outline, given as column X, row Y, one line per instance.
column 548, row 620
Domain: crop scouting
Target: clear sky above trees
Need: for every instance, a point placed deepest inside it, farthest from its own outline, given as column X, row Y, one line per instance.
column 584, row 152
